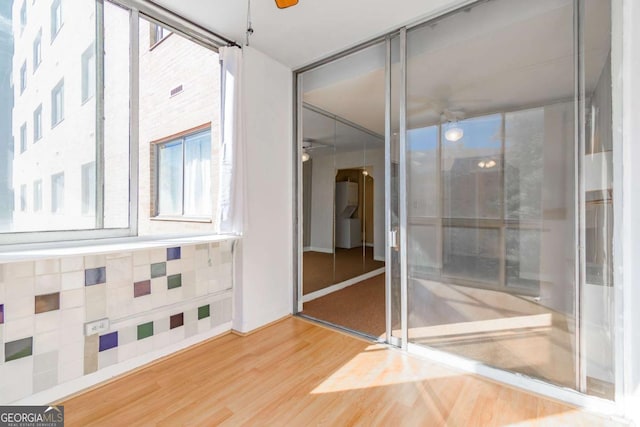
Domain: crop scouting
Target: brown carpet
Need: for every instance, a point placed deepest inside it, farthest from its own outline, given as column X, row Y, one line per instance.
column 360, row 307
column 318, row 268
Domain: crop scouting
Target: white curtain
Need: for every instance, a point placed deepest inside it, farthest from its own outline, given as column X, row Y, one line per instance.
column 231, row 194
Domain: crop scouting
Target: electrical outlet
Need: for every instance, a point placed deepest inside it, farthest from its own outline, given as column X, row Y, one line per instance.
column 96, row 326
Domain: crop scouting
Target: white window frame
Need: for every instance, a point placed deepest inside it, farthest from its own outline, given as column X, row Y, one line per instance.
column 37, row 195
column 57, row 198
column 182, row 138
column 23, row 77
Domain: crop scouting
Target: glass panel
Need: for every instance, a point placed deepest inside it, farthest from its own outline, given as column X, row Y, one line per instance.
column 46, row 135
column 471, row 253
column 197, row 175
column 170, row 178
column 394, row 186
column 116, row 118
column 343, row 126
column 472, row 170
column 492, row 187
column 598, row 287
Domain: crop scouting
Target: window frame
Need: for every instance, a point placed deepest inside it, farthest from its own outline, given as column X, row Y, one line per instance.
column 175, row 24
column 37, row 124
column 56, row 17
column 57, row 199
column 23, row 138
column 37, row 195
column 88, row 91
column 23, row 77
column 155, row 178
column 57, row 111
column 37, row 50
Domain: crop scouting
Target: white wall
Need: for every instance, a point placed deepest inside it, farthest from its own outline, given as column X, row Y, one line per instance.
column 264, row 290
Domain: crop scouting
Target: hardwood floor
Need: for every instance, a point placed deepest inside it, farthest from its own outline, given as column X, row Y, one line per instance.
column 295, row 373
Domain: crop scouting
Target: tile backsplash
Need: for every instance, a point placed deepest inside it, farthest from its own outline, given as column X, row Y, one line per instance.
column 153, row 298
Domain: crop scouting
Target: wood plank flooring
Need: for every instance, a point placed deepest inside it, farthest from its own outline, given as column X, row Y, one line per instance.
column 295, row 373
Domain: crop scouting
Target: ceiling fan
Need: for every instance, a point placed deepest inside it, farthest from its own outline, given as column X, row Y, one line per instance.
column 283, row 4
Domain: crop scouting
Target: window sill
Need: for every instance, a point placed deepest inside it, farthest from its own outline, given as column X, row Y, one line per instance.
column 35, row 251
column 180, row 219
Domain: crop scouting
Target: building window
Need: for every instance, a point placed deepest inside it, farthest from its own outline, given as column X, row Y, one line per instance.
column 183, row 185
column 37, row 51
column 37, row 123
column 57, row 103
column 89, row 188
column 23, row 77
column 23, row 138
column 88, row 73
column 23, row 197
column 157, row 33
column 56, row 18
column 37, row 195
column 23, row 16
column 57, row 193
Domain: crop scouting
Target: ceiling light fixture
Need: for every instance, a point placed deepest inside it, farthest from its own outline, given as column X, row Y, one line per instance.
column 282, row 4
column 454, row 133
column 365, row 172
column 305, row 156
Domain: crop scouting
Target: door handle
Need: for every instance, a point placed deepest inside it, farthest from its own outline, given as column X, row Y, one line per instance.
column 393, row 239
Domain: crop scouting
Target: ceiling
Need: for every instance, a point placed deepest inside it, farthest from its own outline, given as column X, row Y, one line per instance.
column 309, row 31
column 495, row 57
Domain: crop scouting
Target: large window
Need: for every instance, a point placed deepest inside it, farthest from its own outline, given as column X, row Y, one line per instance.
column 78, row 109
column 184, row 176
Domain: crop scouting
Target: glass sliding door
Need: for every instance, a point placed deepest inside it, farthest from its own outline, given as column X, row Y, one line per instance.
column 508, row 164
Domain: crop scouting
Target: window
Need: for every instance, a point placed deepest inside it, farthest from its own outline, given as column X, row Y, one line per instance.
column 57, row 193
column 37, row 51
column 23, row 77
column 79, row 172
column 57, row 103
column 89, row 188
column 23, row 197
column 183, row 167
column 23, row 16
column 56, row 18
column 37, row 123
column 157, row 33
column 23, row 138
column 37, row 195
column 88, row 73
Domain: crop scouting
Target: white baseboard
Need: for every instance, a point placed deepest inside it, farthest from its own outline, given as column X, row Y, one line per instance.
column 338, row 286
column 315, row 249
column 63, row 390
column 379, row 258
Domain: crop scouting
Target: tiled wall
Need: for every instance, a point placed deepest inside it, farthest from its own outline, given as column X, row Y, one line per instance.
column 153, row 299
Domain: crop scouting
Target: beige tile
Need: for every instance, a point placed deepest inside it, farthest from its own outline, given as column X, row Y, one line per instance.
column 91, row 353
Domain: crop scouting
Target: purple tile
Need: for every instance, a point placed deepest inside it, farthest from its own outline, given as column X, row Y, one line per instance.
column 173, row 253
column 176, row 320
column 141, row 288
column 108, row 341
column 95, row 276
column 1, row 314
